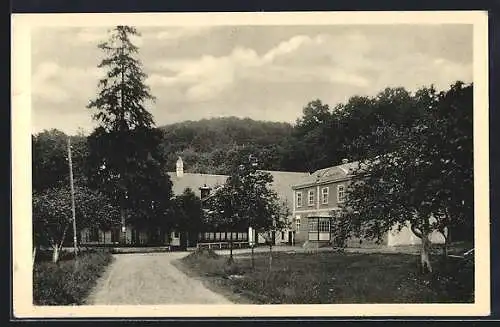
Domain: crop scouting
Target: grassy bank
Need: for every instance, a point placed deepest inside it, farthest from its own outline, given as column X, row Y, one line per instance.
column 334, row 278
column 69, row 281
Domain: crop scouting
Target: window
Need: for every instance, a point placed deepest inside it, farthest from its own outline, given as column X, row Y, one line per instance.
column 176, row 234
column 324, row 225
column 282, row 235
column 313, row 225
column 324, row 195
column 299, row 199
column 297, row 223
column 340, row 193
column 310, row 198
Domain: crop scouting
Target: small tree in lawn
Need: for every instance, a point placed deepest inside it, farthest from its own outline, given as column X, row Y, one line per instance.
column 273, row 220
column 246, row 200
column 125, row 156
column 52, row 214
column 223, row 211
column 259, row 205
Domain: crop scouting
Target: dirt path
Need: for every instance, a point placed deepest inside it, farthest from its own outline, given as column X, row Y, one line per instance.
column 138, row 279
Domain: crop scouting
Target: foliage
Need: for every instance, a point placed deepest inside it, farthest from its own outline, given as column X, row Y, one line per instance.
column 187, row 213
column 50, row 159
column 52, row 216
column 68, row 282
column 120, row 102
column 125, row 157
column 416, row 180
column 129, row 168
column 246, row 199
column 217, row 145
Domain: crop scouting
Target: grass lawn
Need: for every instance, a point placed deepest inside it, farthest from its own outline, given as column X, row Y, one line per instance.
column 333, row 278
column 67, row 282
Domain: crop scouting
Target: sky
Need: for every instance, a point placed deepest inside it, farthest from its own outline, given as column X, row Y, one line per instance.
column 261, row 72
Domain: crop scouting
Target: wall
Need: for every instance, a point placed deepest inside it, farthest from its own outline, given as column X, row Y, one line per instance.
column 355, row 242
column 406, row 237
column 318, row 200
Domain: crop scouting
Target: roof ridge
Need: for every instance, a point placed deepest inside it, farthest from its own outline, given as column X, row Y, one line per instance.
column 199, row 174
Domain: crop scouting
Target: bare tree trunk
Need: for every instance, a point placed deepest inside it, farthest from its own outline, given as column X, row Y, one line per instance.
column 445, row 244
column 231, row 259
column 446, row 234
column 253, row 260
column 425, row 254
column 58, row 246
column 270, row 255
column 423, row 234
column 55, row 253
column 34, row 255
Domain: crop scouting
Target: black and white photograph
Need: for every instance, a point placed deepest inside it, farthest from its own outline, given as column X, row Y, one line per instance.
column 234, row 162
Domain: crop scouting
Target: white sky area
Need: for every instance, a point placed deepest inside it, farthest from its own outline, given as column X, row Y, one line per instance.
column 261, row 72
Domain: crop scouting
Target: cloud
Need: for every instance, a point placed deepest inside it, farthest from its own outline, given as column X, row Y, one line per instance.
column 174, row 33
column 292, row 45
column 208, row 77
column 54, row 83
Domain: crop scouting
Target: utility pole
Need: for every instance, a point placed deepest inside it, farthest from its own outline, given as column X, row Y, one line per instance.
column 72, row 197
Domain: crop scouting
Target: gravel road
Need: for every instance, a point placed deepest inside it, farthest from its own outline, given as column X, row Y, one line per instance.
column 145, row 279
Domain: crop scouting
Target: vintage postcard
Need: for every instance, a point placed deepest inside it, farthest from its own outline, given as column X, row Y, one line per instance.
column 250, row 164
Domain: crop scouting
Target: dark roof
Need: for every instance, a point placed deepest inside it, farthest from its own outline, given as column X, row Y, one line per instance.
column 282, row 182
column 194, row 181
column 330, row 174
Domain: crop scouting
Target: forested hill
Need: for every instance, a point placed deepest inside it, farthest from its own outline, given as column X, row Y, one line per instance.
column 215, row 145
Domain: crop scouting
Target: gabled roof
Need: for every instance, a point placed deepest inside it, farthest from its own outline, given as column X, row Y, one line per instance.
column 194, row 181
column 282, row 182
column 330, row 174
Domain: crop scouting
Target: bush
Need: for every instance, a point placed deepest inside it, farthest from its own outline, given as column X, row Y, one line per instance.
column 203, row 253
column 68, row 282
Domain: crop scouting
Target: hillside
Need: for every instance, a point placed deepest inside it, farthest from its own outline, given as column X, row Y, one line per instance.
column 216, row 145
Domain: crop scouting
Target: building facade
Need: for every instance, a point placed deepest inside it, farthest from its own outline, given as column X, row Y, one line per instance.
column 318, row 200
column 202, row 185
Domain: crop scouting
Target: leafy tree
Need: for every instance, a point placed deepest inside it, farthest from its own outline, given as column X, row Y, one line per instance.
column 125, row 157
column 416, row 182
column 247, row 200
column 52, row 214
column 187, row 208
column 50, row 159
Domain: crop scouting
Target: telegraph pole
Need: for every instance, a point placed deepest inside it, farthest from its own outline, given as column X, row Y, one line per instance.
column 72, row 197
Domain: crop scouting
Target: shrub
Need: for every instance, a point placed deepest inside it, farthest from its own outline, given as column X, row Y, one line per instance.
column 70, row 281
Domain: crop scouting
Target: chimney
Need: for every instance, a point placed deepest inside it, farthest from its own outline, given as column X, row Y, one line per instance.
column 344, row 161
column 204, row 191
column 179, row 167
